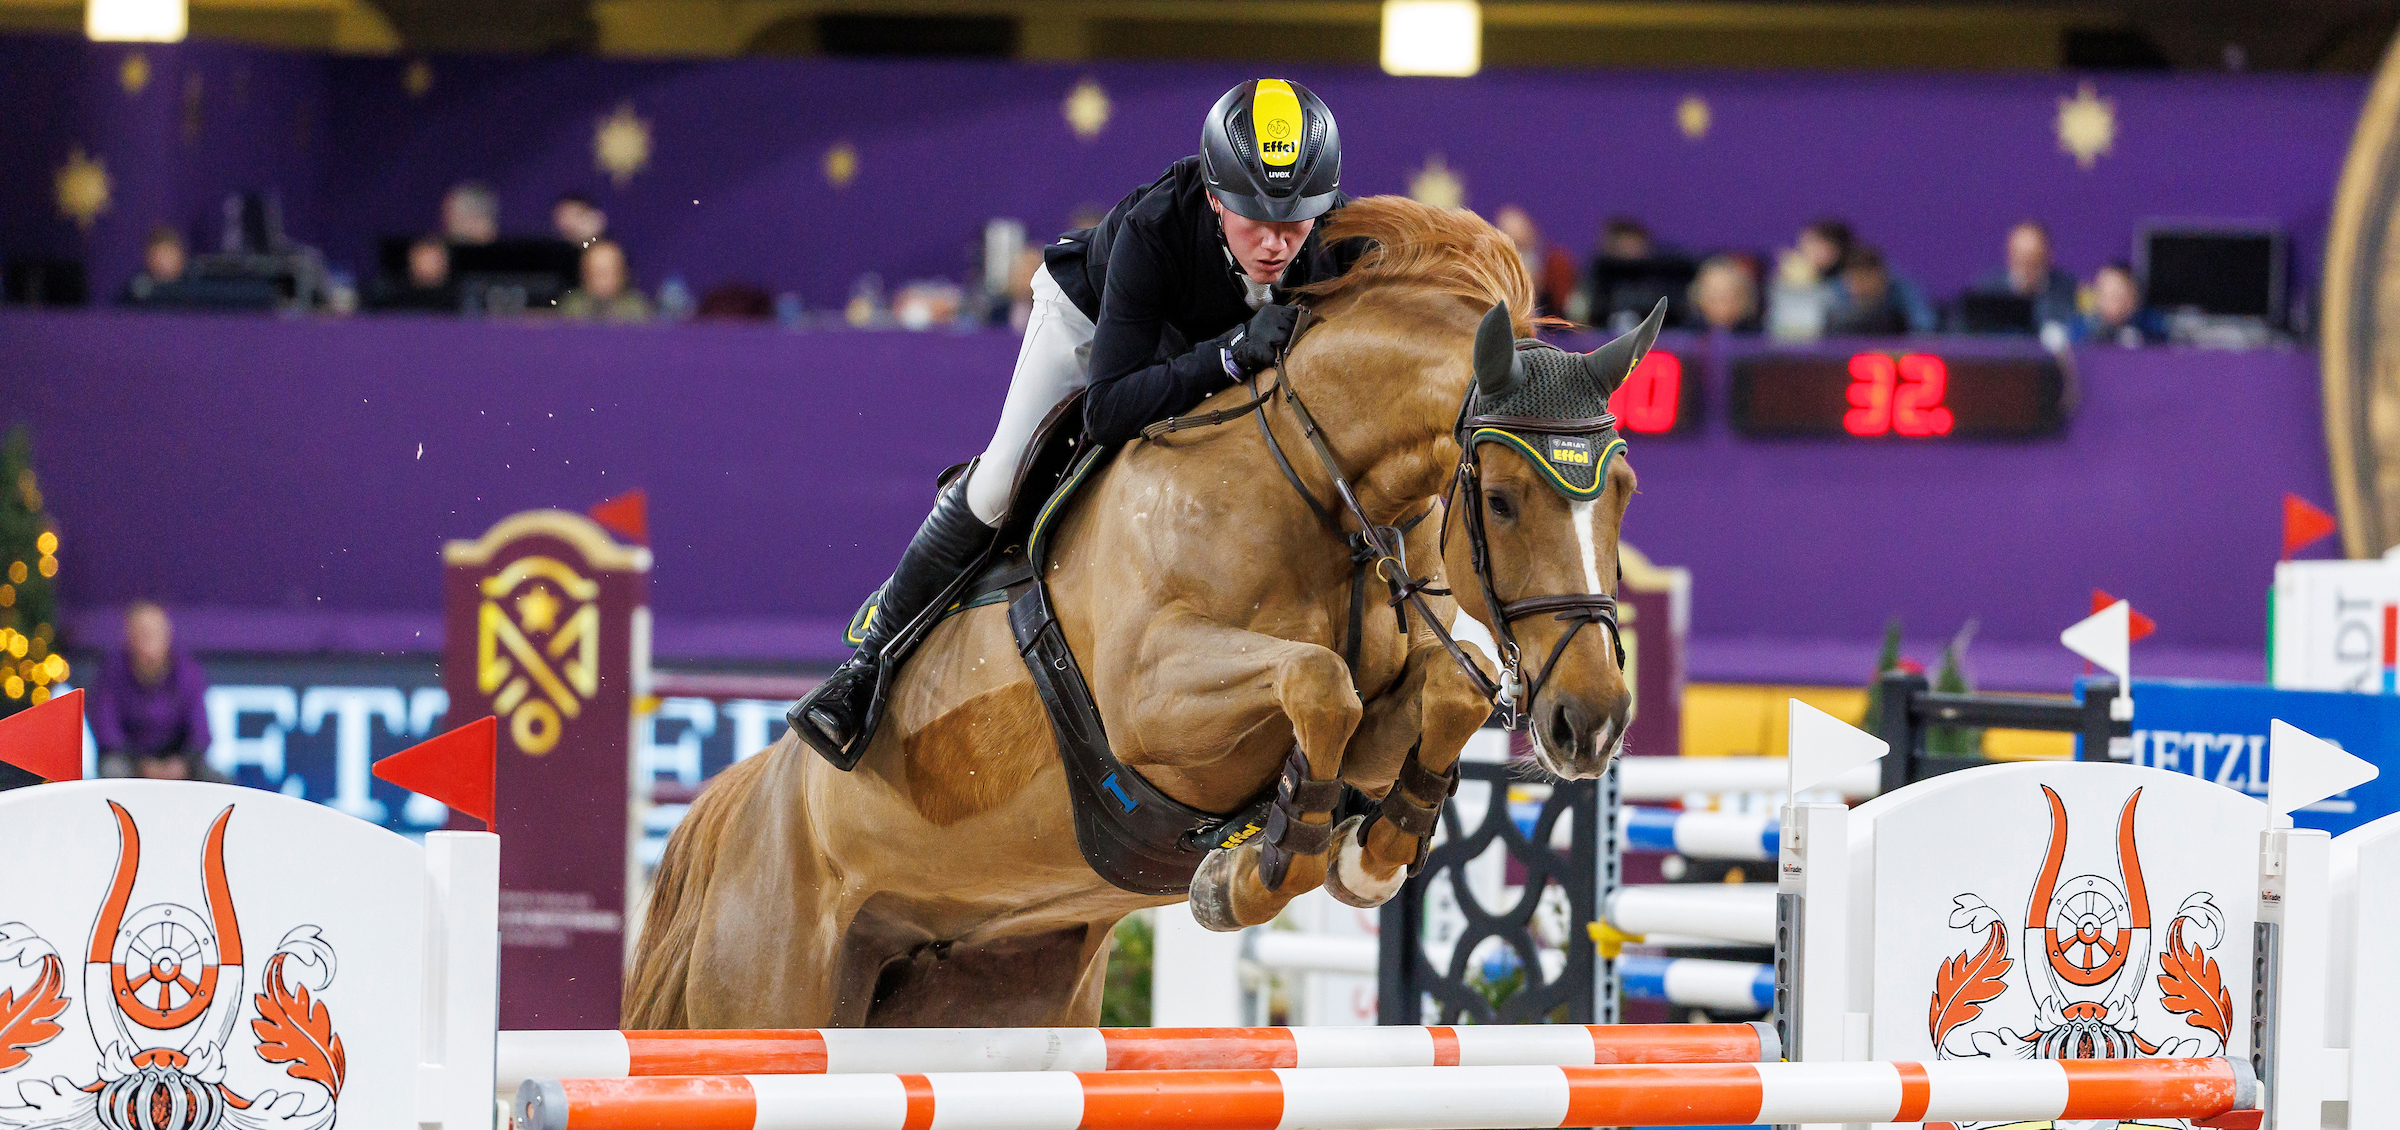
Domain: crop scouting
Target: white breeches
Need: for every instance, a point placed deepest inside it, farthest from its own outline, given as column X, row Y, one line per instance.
column 1050, row 367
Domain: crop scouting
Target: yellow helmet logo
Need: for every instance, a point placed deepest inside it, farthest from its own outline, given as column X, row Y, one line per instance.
column 1275, row 120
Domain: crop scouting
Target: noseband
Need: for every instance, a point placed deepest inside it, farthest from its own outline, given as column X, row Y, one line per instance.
column 1379, row 550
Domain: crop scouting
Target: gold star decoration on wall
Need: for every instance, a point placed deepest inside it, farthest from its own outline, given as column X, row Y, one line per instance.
column 841, row 165
column 621, row 144
column 1435, row 184
column 1087, row 109
column 134, row 73
column 82, row 188
column 417, row 79
column 1692, row 117
column 2087, row 125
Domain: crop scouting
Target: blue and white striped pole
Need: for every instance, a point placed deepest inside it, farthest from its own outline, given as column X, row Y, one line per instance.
column 1700, row 835
column 1698, row 982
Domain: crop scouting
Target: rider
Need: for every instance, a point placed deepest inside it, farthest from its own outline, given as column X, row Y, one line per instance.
column 1178, row 293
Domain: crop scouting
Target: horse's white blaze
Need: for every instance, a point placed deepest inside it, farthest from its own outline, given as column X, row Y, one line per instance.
column 1588, row 542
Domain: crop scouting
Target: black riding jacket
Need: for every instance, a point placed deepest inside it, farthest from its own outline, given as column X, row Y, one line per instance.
column 1164, row 300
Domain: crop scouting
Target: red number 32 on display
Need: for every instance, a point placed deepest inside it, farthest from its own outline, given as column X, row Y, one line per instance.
column 1898, row 396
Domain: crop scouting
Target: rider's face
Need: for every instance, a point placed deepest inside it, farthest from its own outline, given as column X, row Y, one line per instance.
column 1265, row 250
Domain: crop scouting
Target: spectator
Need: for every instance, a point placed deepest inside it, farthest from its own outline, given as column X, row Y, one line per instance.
column 148, row 711
column 1826, row 245
column 607, row 293
column 1552, row 268
column 1624, row 237
column 1869, row 302
column 1867, row 284
column 170, row 281
column 1631, row 273
column 1725, row 295
column 163, row 265
column 2032, row 276
column 1805, row 291
column 2119, row 317
column 428, row 286
column 577, row 220
column 470, row 214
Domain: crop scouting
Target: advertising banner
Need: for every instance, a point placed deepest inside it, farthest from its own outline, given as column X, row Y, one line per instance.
column 546, row 626
column 2218, row 732
column 2336, row 626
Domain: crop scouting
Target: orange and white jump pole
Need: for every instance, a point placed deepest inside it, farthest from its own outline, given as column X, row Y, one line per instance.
column 1376, row 1097
column 850, row 1051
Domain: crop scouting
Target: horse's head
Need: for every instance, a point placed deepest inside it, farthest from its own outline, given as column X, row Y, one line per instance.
column 1540, row 500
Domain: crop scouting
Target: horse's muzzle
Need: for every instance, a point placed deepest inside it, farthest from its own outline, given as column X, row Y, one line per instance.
column 1576, row 735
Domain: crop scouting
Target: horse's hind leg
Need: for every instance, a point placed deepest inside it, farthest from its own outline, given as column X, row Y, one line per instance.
column 1426, row 719
column 767, row 931
column 1049, row 979
column 1228, row 672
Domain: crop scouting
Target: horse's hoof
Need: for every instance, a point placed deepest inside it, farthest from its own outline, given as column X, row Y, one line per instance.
column 1212, row 891
column 1347, row 880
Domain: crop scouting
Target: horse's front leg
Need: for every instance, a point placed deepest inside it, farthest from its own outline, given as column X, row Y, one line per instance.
column 1226, row 672
column 1405, row 754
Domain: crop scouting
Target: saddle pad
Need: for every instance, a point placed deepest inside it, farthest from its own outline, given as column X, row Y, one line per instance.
column 1134, row 836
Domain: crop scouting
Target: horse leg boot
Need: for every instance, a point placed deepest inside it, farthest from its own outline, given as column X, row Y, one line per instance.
column 1406, row 755
column 838, row 718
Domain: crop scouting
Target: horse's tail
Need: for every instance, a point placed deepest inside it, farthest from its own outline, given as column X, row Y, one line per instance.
column 656, row 985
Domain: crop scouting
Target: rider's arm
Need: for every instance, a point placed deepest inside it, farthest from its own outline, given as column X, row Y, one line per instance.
column 1130, row 386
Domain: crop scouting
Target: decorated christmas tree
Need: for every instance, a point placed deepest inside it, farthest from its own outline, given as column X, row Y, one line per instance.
column 30, row 663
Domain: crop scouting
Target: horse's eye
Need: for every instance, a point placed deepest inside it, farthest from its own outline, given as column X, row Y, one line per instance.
column 1499, row 505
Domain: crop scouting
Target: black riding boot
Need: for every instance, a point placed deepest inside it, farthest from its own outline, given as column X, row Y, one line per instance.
column 839, row 717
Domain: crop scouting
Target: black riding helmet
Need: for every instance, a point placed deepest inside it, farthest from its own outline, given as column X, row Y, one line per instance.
column 1270, row 152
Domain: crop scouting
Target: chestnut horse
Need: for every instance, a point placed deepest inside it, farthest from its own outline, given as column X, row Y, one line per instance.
column 939, row 884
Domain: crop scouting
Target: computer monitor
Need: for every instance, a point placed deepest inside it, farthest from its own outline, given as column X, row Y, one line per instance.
column 1981, row 313
column 1633, row 286
column 2220, row 270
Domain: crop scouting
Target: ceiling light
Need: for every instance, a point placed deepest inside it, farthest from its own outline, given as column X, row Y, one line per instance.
column 143, row 21
column 1432, row 37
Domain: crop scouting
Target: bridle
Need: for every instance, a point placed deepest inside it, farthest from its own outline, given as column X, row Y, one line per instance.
column 1379, row 551
column 1575, row 609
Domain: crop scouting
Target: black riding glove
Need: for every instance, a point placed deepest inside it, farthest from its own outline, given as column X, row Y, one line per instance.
column 1257, row 344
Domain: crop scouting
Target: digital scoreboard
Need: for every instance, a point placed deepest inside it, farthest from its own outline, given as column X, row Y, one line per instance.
column 1907, row 396
column 1659, row 398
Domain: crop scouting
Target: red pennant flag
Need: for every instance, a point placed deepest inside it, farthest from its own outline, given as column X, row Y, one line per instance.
column 2137, row 625
column 2302, row 524
column 456, row 768
column 46, row 740
column 627, row 516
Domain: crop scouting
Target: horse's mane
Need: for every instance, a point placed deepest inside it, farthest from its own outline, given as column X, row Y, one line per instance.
column 1450, row 250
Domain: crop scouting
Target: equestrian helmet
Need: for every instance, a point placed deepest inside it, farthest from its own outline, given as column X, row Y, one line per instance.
column 1270, row 152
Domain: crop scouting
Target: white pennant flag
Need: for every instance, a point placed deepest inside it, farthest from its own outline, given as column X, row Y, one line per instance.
column 1824, row 747
column 2106, row 638
column 2303, row 768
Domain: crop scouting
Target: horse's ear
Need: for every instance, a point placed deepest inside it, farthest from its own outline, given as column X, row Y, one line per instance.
column 1495, row 352
column 1610, row 364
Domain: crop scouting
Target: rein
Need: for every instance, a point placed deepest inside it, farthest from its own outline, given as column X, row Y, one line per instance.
column 1380, row 550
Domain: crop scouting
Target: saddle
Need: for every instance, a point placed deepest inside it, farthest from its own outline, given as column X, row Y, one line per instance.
column 1133, row 835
